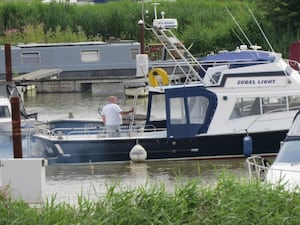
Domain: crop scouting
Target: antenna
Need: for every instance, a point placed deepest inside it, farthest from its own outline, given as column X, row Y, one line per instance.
column 238, row 36
column 239, row 26
column 146, row 26
column 261, row 30
column 155, row 11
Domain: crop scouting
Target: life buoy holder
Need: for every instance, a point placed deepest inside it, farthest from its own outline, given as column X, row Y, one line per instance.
column 158, row 72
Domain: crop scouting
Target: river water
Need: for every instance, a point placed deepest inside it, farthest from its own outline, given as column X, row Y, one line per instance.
column 66, row 182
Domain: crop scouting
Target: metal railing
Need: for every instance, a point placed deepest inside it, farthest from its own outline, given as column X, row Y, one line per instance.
column 257, row 167
column 125, row 131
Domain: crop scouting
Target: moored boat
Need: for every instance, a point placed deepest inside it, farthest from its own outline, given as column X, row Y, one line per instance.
column 27, row 123
column 194, row 115
column 80, row 60
column 285, row 170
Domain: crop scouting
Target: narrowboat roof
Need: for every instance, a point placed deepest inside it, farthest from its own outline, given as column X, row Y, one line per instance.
column 34, row 45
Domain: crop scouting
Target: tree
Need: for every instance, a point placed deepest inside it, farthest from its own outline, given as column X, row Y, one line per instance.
column 283, row 14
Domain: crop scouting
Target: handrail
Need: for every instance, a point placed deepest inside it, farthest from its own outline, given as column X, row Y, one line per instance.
column 257, row 167
column 134, row 108
column 124, row 131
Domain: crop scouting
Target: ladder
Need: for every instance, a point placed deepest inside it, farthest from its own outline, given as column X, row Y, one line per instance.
column 179, row 54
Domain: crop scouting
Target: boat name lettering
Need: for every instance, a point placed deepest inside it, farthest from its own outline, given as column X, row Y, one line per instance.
column 247, row 82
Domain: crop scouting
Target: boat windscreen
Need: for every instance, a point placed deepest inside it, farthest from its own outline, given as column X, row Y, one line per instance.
column 289, row 152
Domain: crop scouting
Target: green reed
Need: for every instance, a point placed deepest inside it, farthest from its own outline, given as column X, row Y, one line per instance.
column 229, row 201
column 203, row 26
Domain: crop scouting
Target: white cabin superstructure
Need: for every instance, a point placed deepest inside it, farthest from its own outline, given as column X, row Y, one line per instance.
column 256, row 98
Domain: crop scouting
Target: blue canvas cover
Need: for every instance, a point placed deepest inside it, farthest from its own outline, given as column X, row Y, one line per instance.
column 187, row 128
column 239, row 56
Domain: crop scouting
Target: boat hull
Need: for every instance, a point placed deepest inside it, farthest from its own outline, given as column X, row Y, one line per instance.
column 201, row 147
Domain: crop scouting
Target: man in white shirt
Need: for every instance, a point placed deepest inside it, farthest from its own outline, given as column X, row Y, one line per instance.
column 112, row 116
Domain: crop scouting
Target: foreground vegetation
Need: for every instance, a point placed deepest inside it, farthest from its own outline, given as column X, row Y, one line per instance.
column 230, row 201
column 204, row 26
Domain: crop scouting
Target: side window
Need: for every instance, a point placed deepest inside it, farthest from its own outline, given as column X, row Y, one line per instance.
column 90, row 55
column 30, row 58
column 246, row 107
column 158, row 109
column 274, row 104
column 177, row 111
column 256, row 106
column 294, row 102
column 197, row 109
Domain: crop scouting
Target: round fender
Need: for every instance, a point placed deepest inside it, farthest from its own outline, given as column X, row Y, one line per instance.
column 158, row 72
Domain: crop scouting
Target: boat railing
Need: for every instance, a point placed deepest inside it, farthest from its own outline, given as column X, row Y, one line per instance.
column 125, row 131
column 241, row 63
column 64, row 131
column 175, row 68
column 269, row 112
column 257, row 167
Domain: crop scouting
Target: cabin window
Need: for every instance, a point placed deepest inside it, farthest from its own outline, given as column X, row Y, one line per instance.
column 4, row 111
column 158, row 108
column 90, row 55
column 294, row 102
column 246, row 107
column 177, row 114
column 274, row 104
column 30, row 58
column 256, row 106
column 197, row 109
column 133, row 53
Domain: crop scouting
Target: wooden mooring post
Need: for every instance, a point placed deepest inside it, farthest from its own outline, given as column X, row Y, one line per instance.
column 15, row 107
column 16, row 127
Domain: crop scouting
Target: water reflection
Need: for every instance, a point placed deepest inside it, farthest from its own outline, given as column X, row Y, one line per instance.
column 59, row 105
column 6, row 146
column 92, row 180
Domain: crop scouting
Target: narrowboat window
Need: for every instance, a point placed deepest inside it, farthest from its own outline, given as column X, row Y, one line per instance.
column 133, row 53
column 158, row 108
column 177, row 111
column 245, row 107
column 197, row 109
column 30, row 58
column 274, row 104
column 294, row 102
column 4, row 111
column 90, row 55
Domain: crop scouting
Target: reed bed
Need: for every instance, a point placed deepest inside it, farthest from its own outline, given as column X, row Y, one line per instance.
column 229, row 201
column 204, row 26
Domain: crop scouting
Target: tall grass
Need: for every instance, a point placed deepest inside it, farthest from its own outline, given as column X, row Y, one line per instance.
column 230, row 201
column 204, row 26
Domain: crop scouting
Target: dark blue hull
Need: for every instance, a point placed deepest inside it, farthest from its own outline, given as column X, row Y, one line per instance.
column 221, row 146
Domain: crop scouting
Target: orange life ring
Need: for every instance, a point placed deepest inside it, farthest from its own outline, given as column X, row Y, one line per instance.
column 158, row 72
